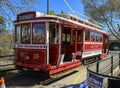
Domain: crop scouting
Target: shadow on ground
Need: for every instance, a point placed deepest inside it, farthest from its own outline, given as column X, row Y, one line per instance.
column 28, row 80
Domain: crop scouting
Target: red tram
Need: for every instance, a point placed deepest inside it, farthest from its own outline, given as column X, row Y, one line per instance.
column 56, row 43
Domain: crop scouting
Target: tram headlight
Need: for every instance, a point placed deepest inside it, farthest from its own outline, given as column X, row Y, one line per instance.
column 27, row 57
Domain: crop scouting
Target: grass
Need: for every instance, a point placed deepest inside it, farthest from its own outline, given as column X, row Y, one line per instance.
column 5, row 73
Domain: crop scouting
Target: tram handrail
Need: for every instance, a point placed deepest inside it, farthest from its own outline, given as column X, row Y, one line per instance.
column 99, row 61
column 108, row 67
column 118, row 77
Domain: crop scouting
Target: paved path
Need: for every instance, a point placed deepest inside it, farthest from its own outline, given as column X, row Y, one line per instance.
column 21, row 80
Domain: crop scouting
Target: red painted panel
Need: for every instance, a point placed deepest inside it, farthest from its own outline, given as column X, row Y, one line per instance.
column 38, row 56
column 35, row 66
column 79, row 47
column 65, row 66
column 33, row 55
column 92, row 46
column 54, row 52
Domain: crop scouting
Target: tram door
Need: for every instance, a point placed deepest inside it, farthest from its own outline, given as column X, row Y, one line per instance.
column 68, row 45
column 105, row 44
column 54, row 43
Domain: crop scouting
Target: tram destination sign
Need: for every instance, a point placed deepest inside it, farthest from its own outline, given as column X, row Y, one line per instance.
column 26, row 15
column 94, row 80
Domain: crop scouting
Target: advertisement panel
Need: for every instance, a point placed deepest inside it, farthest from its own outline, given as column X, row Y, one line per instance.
column 94, row 81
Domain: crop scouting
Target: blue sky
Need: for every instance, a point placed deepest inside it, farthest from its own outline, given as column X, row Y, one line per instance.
column 56, row 5
column 59, row 5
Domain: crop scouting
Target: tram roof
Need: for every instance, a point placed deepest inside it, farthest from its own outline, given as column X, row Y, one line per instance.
column 77, row 20
column 63, row 16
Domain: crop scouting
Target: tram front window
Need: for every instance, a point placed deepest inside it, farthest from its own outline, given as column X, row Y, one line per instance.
column 26, row 33
column 38, row 33
column 17, row 34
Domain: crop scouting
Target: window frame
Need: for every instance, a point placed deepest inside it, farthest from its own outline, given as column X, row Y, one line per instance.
column 54, row 33
column 22, row 32
column 92, row 36
column 15, row 38
column 97, row 37
column 79, row 35
column 87, row 40
column 101, row 37
column 44, row 32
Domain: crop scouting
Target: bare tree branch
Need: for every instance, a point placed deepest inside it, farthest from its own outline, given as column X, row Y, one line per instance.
column 106, row 12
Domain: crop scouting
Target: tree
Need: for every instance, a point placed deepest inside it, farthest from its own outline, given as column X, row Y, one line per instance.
column 51, row 12
column 2, row 24
column 6, row 43
column 105, row 11
column 9, row 9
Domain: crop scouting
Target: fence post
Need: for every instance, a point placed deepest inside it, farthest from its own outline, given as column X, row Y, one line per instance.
column 111, row 65
column 97, row 67
column 119, row 60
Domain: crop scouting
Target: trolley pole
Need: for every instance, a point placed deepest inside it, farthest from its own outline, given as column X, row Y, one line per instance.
column 47, row 6
column 97, row 66
column 119, row 60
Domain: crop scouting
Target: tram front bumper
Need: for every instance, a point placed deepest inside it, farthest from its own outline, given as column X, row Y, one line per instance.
column 34, row 66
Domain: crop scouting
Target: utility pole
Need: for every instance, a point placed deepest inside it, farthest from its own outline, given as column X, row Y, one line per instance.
column 47, row 6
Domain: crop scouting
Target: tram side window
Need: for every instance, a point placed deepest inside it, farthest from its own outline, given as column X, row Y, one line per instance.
column 97, row 37
column 38, row 33
column 101, row 37
column 66, row 36
column 63, row 37
column 54, row 33
column 26, row 33
column 92, row 36
column 17, row 34
column 79, row 36
column 87, row 35
column 73, row 36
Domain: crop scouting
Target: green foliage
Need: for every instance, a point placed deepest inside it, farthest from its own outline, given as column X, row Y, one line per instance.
column 105, row 11
column 6, row 44
column 51, row 12
column 2, row 24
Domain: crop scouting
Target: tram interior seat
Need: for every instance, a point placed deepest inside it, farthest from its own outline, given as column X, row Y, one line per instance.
column 67, row 57
column 67, row 53
column 68, row 46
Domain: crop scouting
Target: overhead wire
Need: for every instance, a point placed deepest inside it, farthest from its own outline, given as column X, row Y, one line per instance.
column 76, row 12
column 69, row 7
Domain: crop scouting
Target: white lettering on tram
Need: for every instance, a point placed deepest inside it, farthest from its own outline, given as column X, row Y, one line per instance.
column 91, row 53
column 30, row 46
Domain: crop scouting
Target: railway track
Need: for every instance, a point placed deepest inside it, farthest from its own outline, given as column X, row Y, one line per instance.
column 6, row 63
column 7, row 69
